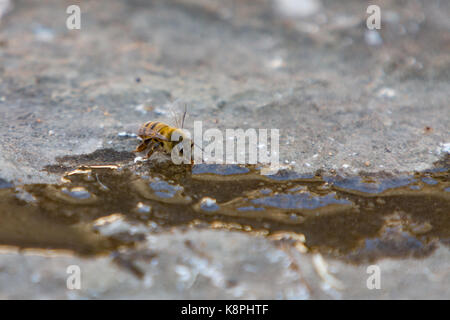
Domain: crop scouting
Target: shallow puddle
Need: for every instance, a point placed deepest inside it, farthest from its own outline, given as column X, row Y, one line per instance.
column 98, row 209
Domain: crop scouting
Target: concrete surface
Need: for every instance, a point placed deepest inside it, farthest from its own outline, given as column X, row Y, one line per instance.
column 191, row 265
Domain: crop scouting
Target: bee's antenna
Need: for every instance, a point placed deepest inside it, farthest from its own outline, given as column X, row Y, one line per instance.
column 199, row 147
column 184, row 116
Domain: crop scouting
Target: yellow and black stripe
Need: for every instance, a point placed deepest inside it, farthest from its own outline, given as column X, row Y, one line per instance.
column 155, row 130
column 160, row 132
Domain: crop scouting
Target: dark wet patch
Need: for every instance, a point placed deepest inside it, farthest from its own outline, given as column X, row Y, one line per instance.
column 37, row 224
column 442, row 164
column 57, row 168
column 127, row 260
column 98, row 157
column 360, row 218
column 5, row 184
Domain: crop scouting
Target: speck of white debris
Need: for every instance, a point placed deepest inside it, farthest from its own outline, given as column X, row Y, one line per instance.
column 51, row 132
column 183, row 272
column 160, row 111
column 276, row 63
column 387, row 93
column 261, row 145
column 296, row 8
column 143, row 208
column 108, row 219
column 373, row 38
column 208, row 202
column 115, row 224
column 345, row 166
column 141, row 108
column 138, row 159
column 307, row 164
column 444, row 148
column 315, row 156
column 43, row 33
column 127, row 134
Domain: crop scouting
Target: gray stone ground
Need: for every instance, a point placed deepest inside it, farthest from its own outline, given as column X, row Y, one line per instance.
column 343, row 98
column 204, row 270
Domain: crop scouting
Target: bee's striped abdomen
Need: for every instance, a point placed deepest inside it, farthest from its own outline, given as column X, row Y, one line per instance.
column 147, row 129
column 160, row 133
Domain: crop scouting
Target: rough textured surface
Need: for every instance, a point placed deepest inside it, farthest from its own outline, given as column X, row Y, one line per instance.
column 176, row 266
column 191, row 265
column 343, row 98
column 336, row 99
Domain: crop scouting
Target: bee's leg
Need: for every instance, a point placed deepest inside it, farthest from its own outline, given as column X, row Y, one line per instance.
column 141, row 147
column 144, row 145
column 157, row 146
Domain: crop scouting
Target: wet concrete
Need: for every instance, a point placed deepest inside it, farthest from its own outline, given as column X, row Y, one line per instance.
column 98, row 209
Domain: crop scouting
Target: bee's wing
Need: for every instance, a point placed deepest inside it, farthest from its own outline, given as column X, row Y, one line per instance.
column 155, row 134
column 179, row 117
column 175, row 118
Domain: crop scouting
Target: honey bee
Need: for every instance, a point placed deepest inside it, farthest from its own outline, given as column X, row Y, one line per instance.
column 157, row 136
